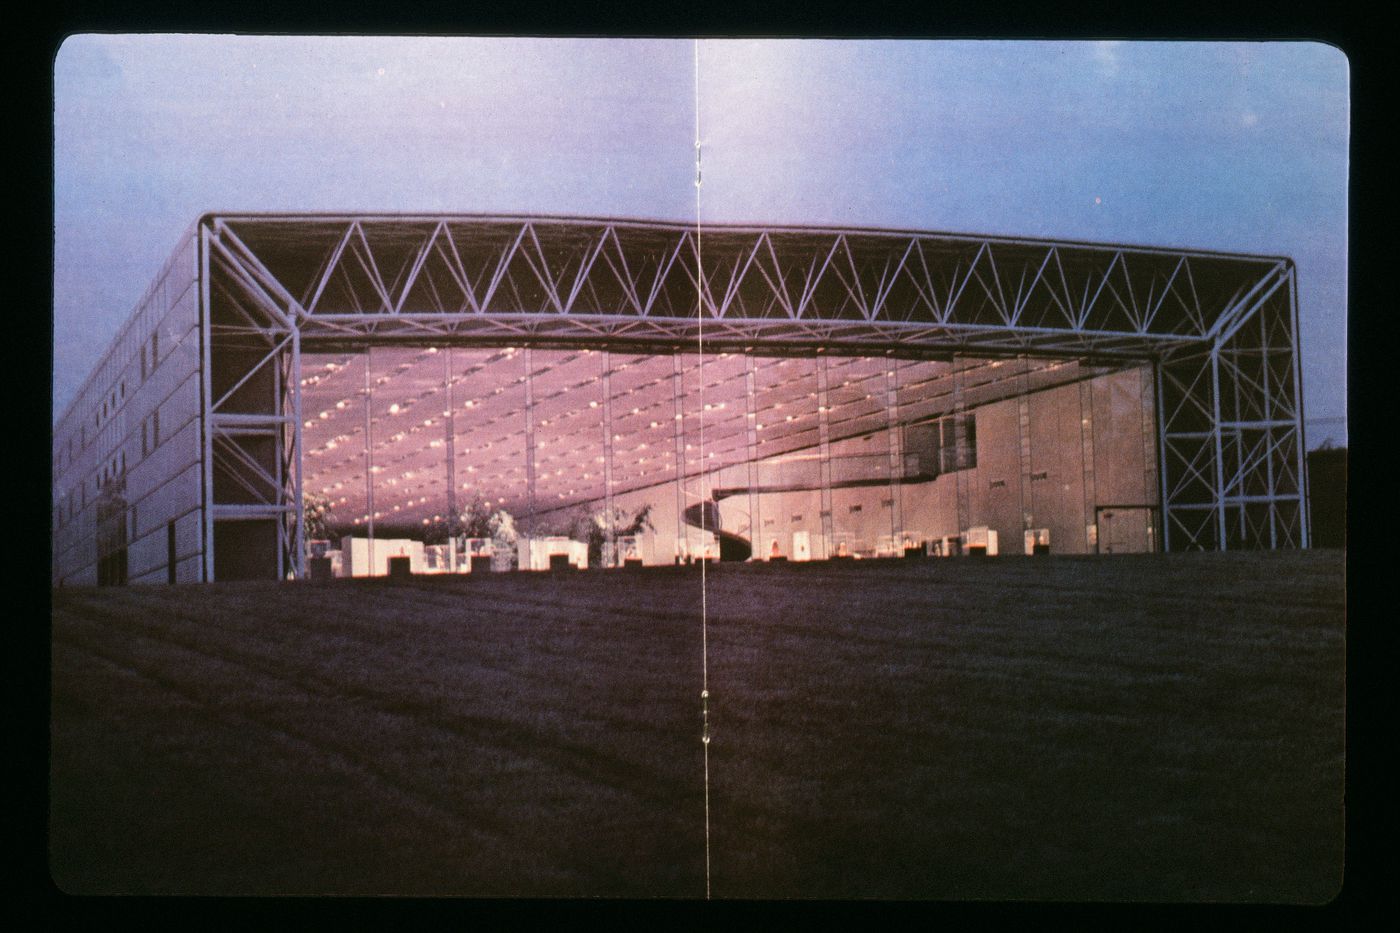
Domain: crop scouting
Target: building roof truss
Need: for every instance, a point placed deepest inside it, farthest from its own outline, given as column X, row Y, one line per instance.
column 1228, row 415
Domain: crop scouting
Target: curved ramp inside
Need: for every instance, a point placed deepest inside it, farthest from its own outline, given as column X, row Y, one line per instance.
column 705, row 516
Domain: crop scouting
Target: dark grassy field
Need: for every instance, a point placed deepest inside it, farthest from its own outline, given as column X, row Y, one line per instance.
column 1124, row 728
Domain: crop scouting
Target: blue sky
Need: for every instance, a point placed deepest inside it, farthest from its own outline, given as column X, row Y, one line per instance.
column 1231, row 146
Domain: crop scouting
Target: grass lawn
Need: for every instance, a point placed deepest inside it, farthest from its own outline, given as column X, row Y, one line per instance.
column 1119, row 728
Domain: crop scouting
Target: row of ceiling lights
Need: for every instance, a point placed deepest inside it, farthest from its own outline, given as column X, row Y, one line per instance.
column 436, row 443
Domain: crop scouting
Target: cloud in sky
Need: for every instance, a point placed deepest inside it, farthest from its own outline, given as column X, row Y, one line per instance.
column 1106, row 54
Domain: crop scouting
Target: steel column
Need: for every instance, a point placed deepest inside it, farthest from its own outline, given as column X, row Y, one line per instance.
column 1304, row 491
column 206, row 405
column 529, row 437
column 1219, row 448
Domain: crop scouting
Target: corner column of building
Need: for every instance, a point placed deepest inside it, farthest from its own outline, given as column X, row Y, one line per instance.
column 206, row 405
column 1219, row 442
column 295, row 459
column 1269, row 427
column 1300, row 446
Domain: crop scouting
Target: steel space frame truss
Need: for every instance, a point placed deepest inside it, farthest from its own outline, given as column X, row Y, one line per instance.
column 1230, row 417
column 1219, row 329
column 252, row 440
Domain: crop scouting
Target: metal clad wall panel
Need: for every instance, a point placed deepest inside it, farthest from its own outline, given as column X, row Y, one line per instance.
column 999, row 460
column 168, row 311
column 1057, row 489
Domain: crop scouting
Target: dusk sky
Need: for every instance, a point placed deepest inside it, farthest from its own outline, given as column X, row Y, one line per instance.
column 1226, row 146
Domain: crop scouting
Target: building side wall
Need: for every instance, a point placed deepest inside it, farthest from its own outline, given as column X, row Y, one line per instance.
column 131, row 440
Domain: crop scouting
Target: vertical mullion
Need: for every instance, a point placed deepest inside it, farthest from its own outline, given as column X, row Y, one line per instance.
column 608, row 451
column 824, row 440
column 453, row 519
column 751, row 441
column 527, row 356
column 678, row 420
column 1090, row 513
column 369, row 467
column 1219, row 447
column 892, row 429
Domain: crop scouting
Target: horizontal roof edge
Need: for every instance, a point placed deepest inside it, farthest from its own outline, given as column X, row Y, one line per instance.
column 574, row 219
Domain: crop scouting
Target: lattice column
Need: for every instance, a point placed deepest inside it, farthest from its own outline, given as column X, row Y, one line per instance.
column 250, row 404
column 1218, row 439
column 1262, row 486
column 1269, row 421
column 280, row 371
column 1294, row 380
column 287, row 435
column 1186, row 420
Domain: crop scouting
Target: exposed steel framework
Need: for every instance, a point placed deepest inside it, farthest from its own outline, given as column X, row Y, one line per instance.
column 1220, row 330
